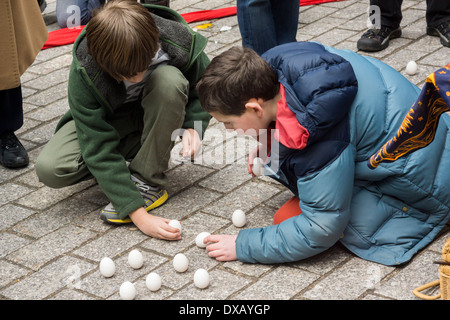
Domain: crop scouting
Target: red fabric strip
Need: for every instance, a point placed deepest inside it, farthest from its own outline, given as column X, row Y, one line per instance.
column 208, row 14
column 62, row 37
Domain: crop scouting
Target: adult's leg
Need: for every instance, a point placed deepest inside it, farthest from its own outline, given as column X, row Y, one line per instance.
column 12, row 152
column 391, row 12
column 11, row 111
column 256, row 24
column 438, row 12
column 285, row 16
column 72, row 13
column 163, row 104
column 438, row 20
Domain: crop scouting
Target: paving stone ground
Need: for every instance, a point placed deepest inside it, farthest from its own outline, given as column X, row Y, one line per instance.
column 51, row 241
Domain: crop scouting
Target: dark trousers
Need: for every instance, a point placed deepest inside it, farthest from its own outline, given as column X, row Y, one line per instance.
column 265, row 24
column 11, row 112
column 438, row 11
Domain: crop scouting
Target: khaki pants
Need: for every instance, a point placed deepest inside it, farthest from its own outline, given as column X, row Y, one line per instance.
column 145, row 128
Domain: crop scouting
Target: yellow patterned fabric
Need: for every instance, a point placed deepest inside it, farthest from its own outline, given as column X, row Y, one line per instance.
column 419, row 126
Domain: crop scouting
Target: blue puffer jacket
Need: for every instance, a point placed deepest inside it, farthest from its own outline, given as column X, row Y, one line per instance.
column 350, row 105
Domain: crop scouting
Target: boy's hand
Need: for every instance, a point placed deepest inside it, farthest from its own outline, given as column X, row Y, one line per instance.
column 223, row 247
column 154, row 226
column 252, row 155
column 191, row 143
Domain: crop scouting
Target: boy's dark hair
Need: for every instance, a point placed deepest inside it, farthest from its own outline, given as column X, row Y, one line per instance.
column 122, row 38
column 233, row 78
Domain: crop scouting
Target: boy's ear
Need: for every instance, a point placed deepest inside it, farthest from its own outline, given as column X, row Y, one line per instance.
column 255, row 105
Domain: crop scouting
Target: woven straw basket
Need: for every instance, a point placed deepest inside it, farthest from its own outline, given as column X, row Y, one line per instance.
column 444, row 278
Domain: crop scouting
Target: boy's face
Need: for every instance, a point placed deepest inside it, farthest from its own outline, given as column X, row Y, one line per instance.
column 137, row 78
column 249, row 122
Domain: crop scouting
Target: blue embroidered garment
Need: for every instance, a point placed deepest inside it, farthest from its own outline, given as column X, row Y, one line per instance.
column 419, row 126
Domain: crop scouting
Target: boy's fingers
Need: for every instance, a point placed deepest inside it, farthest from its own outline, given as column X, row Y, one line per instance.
column 213, row 246
column 189, row 151
column 167, row 227
column 169, row 232
column 212, row 238
column 172, row 229
column 169, row 235
column 214, row 253
column 250, row 170
column 186, row 147
column 222, row 258
column 191, row 143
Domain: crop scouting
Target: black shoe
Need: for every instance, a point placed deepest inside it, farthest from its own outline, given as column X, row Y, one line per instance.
column 12, row 152
column 377, row 39
column 442, row 31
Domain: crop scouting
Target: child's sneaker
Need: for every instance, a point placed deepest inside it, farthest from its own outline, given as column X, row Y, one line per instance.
column 153, row 196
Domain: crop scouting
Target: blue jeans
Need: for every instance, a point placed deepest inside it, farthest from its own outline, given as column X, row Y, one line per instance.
column 73, row 13
column 265, row 24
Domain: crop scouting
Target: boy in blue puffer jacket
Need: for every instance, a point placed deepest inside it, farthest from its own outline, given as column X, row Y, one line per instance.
column 331, row 110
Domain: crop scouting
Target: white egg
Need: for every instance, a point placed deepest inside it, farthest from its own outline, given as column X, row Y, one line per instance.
column 258, row 167
column 127, row 291
column 175, row 224
column 201, row 278
column 239, row 218
column 153, row 281
column 135, row 259
column 180, row 262
column 107, row 267
column 199, row 239
column 411, row 68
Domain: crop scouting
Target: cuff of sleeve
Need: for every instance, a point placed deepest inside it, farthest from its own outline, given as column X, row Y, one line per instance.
column 242, row 246
column 129, row 208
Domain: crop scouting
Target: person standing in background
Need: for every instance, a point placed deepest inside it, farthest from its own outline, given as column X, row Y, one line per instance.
column 75, row 13
column 23, row 35
column 265, row 24
column 377, row 37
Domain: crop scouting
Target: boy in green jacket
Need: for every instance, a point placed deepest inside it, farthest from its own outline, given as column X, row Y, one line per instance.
column 131, row 87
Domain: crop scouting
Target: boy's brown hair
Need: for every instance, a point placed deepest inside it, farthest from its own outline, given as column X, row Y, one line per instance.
column 233, row 78
column 122, row 38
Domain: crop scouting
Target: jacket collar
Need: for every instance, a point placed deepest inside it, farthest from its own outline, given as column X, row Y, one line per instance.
column 289, row 131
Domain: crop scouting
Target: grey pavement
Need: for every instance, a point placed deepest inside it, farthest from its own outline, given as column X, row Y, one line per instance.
column 52, row 240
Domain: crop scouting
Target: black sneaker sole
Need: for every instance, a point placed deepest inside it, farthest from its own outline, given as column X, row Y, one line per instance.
column 373, row 46
column 435, row 33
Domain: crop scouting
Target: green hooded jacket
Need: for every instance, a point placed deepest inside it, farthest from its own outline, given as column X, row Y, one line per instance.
column 94, row 96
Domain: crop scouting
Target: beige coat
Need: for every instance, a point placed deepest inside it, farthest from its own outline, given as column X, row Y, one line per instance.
column 22, row 35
